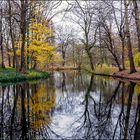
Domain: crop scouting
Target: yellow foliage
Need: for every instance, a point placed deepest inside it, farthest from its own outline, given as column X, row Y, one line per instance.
column 39, row 46
column 40, row 104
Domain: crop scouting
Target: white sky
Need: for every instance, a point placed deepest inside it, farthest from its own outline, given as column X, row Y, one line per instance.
column 60, row 20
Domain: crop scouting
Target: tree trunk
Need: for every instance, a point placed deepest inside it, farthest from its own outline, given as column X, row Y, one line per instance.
column 129, row 45
column 117, row 61
column 15, row 61
column 23, row 34
column 63, row 56
column 123, row 54
column 8, row 55
column 1, row 41
column 28, row 36
column 90, row 59
column 28, row 53
column 9, row 60
column 113, row 52
column 137, row 21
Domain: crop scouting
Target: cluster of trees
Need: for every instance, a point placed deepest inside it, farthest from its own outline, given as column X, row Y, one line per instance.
column 26, row 34
column 110, row 32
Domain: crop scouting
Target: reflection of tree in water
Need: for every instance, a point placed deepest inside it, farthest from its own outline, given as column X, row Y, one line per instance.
column 109, row 107
column 97, row 108
column 41, row 102
column 28, row 109
column 71, row 82
column 109, row 119
column 137, row 117
column 71, row 85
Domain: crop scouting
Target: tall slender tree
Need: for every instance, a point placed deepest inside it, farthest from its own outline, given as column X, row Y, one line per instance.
column 1, row 40
column 129, row 45
column 137, row 21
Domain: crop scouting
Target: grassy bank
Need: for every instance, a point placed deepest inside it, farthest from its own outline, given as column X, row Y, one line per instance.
column 10, row 75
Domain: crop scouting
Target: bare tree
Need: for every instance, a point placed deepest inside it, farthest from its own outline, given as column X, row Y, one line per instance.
column 84, row 18
column 110, row 45
column 105, row 20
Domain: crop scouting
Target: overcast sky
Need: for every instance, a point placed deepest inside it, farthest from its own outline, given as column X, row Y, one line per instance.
column 61, row 20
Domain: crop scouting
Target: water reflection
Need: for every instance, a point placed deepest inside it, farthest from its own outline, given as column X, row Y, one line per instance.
column 70, row 105
column 26, row 110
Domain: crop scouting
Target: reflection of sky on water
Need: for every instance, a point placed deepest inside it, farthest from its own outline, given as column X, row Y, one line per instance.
column 65, row 115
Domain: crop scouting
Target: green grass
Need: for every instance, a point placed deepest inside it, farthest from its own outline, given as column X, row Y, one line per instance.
column 10, row 75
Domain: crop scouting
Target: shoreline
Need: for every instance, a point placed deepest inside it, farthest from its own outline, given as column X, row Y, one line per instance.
column 130, row 77
column 121, row 75
column 10, row 75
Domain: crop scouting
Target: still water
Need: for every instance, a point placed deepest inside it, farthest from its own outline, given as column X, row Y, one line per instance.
column 70, row 105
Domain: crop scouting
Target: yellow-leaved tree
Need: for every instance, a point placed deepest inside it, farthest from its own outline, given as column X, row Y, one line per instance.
column 41, row 51
column 39, row 47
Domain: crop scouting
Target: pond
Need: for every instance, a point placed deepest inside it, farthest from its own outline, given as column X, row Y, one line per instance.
column 70, row 105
